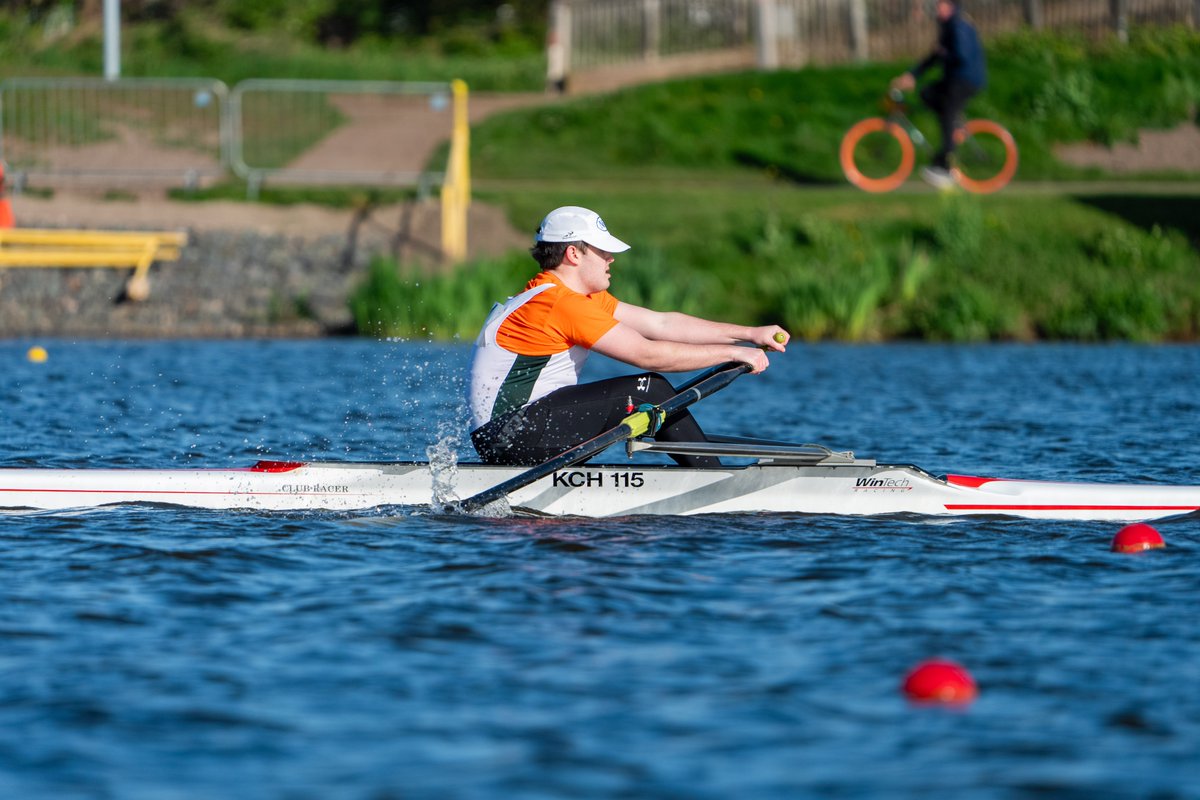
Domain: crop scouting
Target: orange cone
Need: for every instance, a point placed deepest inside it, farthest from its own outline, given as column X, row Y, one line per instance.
column 7, row 220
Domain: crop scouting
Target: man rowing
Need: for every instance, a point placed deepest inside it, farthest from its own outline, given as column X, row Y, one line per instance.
column 527, row 404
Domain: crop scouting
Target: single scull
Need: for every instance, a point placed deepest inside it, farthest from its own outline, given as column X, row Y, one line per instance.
column 780, row 478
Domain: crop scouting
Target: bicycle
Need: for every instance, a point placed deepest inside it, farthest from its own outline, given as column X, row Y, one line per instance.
column 877, row 153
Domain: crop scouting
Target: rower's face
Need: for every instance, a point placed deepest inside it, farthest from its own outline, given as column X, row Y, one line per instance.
column 594, row 269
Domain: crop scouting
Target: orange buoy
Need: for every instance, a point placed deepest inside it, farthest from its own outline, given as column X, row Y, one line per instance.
column 1136, row 538
column 7, row 220
column 940, row 681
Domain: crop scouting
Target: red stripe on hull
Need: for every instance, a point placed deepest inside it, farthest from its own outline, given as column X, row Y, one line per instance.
column 1046, row 507
column 968, row 480
column 276, row 466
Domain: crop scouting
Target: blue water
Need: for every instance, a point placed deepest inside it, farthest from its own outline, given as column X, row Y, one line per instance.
column 164, row 653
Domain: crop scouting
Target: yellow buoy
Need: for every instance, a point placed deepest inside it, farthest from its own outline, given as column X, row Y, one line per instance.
column 37, row 354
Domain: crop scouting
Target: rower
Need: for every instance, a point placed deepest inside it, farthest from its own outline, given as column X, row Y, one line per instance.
column 527, row 404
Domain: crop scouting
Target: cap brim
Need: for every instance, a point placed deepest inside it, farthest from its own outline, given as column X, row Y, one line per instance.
column 606, row 241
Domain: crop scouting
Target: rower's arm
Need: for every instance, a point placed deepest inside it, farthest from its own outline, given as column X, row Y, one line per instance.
column 624, row 343
column 678, row 327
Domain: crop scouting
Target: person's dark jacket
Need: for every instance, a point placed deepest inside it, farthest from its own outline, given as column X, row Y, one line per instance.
column 959, row 52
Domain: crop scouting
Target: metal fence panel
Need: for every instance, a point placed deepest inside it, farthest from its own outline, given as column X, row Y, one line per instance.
column 813, row 31
column 606, row 33
column 141, row 128
column 349, row 132
column 690, row 26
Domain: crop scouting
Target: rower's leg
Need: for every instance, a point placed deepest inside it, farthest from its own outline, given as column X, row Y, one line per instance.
column 679, row 427
column 574, row 414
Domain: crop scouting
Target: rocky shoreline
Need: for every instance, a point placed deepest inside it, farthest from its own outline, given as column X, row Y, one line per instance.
column 225, row 285
column 247, row 271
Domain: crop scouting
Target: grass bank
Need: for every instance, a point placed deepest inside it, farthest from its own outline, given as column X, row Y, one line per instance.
column 730, row 190
column 831, row 265
column 1046, row 89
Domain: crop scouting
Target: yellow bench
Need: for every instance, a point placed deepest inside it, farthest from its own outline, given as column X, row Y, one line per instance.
column 32, row 247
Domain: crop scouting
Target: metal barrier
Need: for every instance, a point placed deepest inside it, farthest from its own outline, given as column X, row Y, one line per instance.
column 588, row 38
column 137, row 128
column 362, row 133
column 347, row 132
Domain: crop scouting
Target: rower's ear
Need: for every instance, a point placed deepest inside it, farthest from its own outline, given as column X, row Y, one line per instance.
column 573, row 255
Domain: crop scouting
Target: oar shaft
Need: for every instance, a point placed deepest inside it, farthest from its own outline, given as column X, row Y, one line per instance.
column 703, row 386
column 569, row 458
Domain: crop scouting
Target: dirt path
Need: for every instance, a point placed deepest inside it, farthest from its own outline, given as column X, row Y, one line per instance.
column 397, row 134
column 1174, row 150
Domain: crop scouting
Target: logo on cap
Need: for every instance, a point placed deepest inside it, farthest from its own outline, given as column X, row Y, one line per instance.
column 600, row 224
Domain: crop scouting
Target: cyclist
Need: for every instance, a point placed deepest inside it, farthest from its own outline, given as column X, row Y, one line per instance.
column 964, row 74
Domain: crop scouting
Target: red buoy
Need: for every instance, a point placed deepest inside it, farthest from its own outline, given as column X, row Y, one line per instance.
column 940, row 681
column 1137, row 537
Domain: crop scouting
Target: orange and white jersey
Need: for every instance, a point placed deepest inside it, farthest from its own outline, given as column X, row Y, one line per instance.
column 533, row 344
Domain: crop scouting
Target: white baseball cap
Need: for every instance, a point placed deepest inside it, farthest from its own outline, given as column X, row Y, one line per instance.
column 577, row 224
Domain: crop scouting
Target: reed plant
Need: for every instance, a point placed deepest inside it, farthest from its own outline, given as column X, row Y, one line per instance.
column 416, row 301
column 831, row 266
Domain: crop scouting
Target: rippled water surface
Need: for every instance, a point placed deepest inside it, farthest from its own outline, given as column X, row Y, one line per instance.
column 162, row 653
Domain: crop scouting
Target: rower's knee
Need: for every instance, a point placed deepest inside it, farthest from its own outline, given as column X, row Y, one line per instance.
column 653, row 388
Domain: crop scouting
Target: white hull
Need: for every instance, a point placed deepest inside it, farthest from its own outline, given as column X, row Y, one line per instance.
column 856, row 487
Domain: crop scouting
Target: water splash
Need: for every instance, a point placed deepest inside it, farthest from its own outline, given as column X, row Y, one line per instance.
column 443, row 465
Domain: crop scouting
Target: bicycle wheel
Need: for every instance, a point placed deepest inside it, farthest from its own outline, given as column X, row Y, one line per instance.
column 876, row 155
column 986, row 158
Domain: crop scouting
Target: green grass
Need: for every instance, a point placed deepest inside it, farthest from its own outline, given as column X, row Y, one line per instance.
column 414, row 302
column 833, row 265
column 341, row 197
column 730, row 190
column 191, row 45
column 1045, row 89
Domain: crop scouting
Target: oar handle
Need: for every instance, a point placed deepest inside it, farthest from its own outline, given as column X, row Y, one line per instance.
column 780, row 337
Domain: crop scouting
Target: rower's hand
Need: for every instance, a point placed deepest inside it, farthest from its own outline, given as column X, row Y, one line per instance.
column 771, row 337
column 905, row 82
column 756, row 358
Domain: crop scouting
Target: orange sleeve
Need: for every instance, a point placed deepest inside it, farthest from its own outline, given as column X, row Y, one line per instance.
column 582, row 320
column 607, row 302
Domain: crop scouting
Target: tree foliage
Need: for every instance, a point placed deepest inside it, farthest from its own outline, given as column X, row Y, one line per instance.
column 327, row 22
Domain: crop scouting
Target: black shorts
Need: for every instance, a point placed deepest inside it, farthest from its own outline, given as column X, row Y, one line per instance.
column 572, row 415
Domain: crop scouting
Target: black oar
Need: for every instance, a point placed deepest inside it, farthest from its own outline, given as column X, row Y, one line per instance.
column 635, row 424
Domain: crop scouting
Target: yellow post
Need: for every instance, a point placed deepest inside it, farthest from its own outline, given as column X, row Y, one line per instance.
column 456, row 188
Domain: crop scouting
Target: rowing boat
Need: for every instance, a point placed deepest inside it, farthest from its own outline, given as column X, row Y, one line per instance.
column 770, row 477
